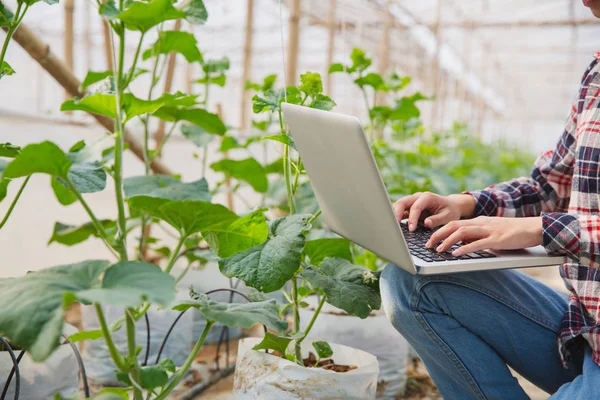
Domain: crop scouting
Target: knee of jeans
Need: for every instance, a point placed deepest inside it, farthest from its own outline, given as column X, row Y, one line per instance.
column 397, row 290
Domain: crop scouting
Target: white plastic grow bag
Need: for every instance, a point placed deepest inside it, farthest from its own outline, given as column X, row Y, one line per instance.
column 375, row 335
column 58, row 374
column 263, row 376
column 98, row 363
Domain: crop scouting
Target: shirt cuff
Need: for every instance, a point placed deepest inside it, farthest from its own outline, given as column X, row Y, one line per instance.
column 485, row 203
column 561, row 234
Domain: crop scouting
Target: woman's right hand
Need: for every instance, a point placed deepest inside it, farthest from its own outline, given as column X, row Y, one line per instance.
column 436, row 210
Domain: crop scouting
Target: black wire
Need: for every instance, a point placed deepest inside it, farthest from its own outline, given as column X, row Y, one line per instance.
column 86, row 387
column 147, row 339
column 15, row 370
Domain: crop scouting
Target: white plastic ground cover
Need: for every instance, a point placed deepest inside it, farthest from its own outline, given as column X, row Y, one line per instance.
column 100, row 367
column 58, row 374
column 263, row 376
column 375, row 335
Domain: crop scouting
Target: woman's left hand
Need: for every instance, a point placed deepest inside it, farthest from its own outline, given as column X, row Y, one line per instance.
column 482, row 233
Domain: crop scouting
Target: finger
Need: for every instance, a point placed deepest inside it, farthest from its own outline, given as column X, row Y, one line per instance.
column 482, row 244
column 443, row 233
column 438, row 219
column 463, row 234
column 401, row 206
column 421, row 204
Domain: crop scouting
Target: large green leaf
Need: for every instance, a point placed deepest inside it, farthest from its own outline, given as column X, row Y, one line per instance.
column 88, row 177
column 9, row 150
column 70, row 235
column 45, row 157
column 235, row 314
column 166, row 187
column 239, row 235
column 130, row 283
column 32, row 312
column 5, row 15
column 319, row 249
column 152, row 376
column 106, row 104
column 349, row 287
column 268, row 266
column 195, row 12
column 197, row 135
column 183, row 43
column 93, row 77
column 63, row 194
column 248, row 170
column 311, row 84
column 282, row 138
column 274, row 342
column 188, row 216
column 210, row 122
column 143, row 16
column 6, row 69
column 406, row 108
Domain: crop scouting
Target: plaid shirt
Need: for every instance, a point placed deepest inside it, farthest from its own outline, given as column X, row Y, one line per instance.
column 564, row 188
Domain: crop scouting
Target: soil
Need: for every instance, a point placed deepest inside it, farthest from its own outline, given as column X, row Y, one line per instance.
column 328, row 364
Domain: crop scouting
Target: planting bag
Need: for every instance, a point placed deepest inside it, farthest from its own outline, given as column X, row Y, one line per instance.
column 58, row 374
column 375, row 335
column 263, row 376
column 100, row 367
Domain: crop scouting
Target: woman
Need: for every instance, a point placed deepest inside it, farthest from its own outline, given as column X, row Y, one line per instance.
column 469, row 328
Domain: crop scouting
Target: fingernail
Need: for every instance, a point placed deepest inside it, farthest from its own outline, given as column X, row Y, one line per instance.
column 428, row 222
column 428, row 245
column 439, row 248
column 411, row 226
column 455, row 253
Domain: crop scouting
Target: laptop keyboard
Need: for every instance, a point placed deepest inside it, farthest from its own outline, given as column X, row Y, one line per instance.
column 416, row 245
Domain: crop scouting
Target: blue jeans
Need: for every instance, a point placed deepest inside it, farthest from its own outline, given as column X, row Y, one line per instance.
column 468, row 327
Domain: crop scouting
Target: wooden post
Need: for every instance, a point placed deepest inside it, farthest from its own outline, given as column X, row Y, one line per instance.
column 107, row 47
column 160, row 132
column 436, row 78
column 69, row 11
column 293, row 42
column 384, row 49
column 247, row 68
column 41, row 53
column 331, row 25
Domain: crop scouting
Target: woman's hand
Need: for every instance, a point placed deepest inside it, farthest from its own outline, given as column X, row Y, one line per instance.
column 437, row 210
column 488, row 233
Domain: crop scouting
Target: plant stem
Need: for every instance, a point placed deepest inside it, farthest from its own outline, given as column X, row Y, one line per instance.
column 313, row 319
column 112, row 349
column 135, row 60
column 167, row 137
column 119, row 146
column 315, row 216
column 95, row 221
column 14, row 203
column 296, row 309
column 131, row 352
column 18, row 17
column 188, row 363
column 175, row 253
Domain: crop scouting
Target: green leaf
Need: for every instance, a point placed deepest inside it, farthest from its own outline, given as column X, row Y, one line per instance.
column 396, row 82
column 276, row 167
column 229, row 143
column 195, row 12
column 337, row 67
column 88, row 177
column 235, row 314
column 282, row 138
column 273, row 342
column 238, row 235
column 188, row 217
column 349, row 287
column 406, row 108
column 319, row 249
column 166, row 187
column 151, row 376
column 70, row 235
column 45, row 157
column 268, row 266
column 311, row 84
column 105, row 104
column 109, row 9
column 41, row 297
column 323, row 349
column 248, row 170
column 216, row 66
column 196, row 135
column 6, row 69
column 93, row 77
column 143, row 16
column 130, row 283
column 270, row 101
column 360, row 61
column 9, row 150
column 183, row 43
column 219, row 80
column 63, row 194
column 5, row 16
column 322, row 102
column 112, row 394
column 371, row 79
column 94, row 334
column 210, row 122
column 269, row 82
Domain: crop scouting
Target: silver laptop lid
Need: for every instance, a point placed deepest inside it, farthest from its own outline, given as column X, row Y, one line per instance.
column 346, row 181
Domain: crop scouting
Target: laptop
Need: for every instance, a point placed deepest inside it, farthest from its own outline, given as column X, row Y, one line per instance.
column 356, row 205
